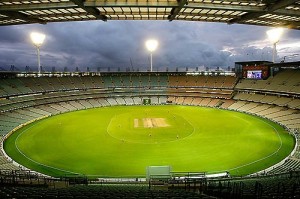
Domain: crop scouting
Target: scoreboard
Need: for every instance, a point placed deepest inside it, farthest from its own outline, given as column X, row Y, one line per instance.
column 146, row 101
column 253, row 69
column 256, row 72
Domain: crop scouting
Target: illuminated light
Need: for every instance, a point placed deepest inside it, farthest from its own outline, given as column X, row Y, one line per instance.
column 274, row 36
column 37, row 40
column 151, row 45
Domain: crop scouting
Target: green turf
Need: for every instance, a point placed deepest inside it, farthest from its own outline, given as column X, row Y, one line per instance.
column 105, row 142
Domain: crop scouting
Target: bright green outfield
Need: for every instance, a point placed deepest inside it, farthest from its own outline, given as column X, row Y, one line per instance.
column 121, row 141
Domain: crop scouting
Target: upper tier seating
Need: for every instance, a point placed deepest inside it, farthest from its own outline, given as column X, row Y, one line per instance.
column 286, row 81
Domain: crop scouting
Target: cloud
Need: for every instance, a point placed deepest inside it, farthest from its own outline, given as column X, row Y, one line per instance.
column 121, row 44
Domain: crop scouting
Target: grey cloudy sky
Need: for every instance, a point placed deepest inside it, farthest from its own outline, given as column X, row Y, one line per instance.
column 122, row 44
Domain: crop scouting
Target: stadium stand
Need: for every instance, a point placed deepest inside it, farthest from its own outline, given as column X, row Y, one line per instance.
column 162, row 99
column 24, row 99
column 96, row 191
column 285, row 185
column 271, row 98
column 203, row 86
column 287, row 81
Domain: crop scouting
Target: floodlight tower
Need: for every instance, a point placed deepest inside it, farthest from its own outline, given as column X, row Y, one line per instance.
column 274, row 36
column 151, row 45
column 37, row 40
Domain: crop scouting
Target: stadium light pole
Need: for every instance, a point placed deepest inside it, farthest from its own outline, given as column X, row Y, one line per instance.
column 151, row 45
column 274, row 36
column 37, row 40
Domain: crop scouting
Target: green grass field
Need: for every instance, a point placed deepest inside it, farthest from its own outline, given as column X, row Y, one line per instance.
column 121, row 141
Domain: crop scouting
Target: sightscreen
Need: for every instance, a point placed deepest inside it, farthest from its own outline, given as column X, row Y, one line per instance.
column 158, row 172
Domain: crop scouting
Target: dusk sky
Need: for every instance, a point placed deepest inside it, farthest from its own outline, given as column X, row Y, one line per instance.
column 122, row 44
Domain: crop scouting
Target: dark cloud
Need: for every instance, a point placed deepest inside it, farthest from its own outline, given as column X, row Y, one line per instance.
column 122, row 44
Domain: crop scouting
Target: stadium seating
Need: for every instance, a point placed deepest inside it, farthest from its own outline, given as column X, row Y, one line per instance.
column 285, row 185
column 286, row 81
column 24, row 99
column 96, row 191
column 274, row 99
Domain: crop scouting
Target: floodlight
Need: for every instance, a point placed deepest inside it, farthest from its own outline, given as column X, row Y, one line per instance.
column 151, row 45
column 37, row 40
column 274, row 36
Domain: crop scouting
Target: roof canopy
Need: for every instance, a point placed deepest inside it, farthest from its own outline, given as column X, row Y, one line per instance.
column 284, row 13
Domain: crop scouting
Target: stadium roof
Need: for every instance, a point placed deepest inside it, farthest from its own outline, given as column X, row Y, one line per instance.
column 284, row 13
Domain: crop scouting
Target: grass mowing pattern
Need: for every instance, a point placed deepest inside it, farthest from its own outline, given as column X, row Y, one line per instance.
column 104, row 142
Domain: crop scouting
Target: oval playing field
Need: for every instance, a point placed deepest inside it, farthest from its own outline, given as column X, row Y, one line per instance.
column 121, row 141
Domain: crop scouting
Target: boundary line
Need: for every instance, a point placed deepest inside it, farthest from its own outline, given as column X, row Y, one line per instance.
column 266, row 157
column 261, row 118
column 34, row 160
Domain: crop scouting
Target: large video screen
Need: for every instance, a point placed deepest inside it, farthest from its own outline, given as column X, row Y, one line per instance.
column 254, row 74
